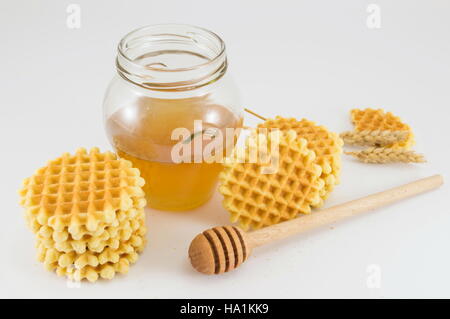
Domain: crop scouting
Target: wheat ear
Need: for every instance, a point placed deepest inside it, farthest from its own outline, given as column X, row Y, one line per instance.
column 382, row 155
column 373, row 138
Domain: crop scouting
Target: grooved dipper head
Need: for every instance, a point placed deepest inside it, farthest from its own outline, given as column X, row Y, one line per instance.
column 218, row 250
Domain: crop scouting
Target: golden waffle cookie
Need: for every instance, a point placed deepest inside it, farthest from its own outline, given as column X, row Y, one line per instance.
column 50, row 256
column 85, row 189
column 78, row 266
column 105, row 271
column 256, row 200
column 111, row 236
column 326, row 145
column 90, row 265
column 103, row 253
column 80, row 232
column 374, row 120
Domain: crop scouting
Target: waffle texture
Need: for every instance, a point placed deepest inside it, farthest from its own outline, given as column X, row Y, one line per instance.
column 255, row 199
column 84, row 205
column 325, row 144
column 379, row 120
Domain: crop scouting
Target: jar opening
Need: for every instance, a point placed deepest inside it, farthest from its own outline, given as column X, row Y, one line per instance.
column 171, row 57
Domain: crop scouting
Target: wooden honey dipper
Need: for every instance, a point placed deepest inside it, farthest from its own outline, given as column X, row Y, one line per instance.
column 221, row 249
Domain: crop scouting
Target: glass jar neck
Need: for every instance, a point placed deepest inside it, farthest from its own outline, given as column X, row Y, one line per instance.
column 171, row 57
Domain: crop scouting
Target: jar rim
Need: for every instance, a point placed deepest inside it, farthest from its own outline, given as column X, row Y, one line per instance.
column 122, row 45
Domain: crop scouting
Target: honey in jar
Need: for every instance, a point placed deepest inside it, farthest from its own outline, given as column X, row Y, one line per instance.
column 170, row 77
column 142, row 133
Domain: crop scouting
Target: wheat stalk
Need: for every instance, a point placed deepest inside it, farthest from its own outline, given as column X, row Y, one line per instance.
column 382, row 155
column 373, row 138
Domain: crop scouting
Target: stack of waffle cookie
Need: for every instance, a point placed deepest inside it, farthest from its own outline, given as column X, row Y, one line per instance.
column 87, row 211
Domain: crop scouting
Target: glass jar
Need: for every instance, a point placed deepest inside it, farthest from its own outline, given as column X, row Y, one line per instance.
column 172, row 77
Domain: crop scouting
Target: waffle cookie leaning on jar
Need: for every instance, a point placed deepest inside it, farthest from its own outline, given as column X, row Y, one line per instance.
column 87, row 211
column 325, row 144
column 260, row 193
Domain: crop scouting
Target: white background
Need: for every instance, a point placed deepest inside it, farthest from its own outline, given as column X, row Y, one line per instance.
column 313, row 59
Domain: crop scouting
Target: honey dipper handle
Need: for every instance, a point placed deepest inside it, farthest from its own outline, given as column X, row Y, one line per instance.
column 336, row 213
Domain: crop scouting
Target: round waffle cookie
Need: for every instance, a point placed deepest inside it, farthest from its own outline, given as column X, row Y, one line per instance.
column 91, row 265
column 135, row 244
column 87, row 204
column 86, row 189
column 326, row 145
column 256, row 199
column 108, row 237
column 373, row 120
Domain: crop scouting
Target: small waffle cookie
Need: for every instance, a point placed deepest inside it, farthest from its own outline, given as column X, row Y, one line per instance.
column 326, row 145
column 256, row 199
column 88, row 266
column 379, row 120
column 109, row 237
column 73, row 263
column 105, row 271
column 79, row 232
column 85, row 189
column 50, row 256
